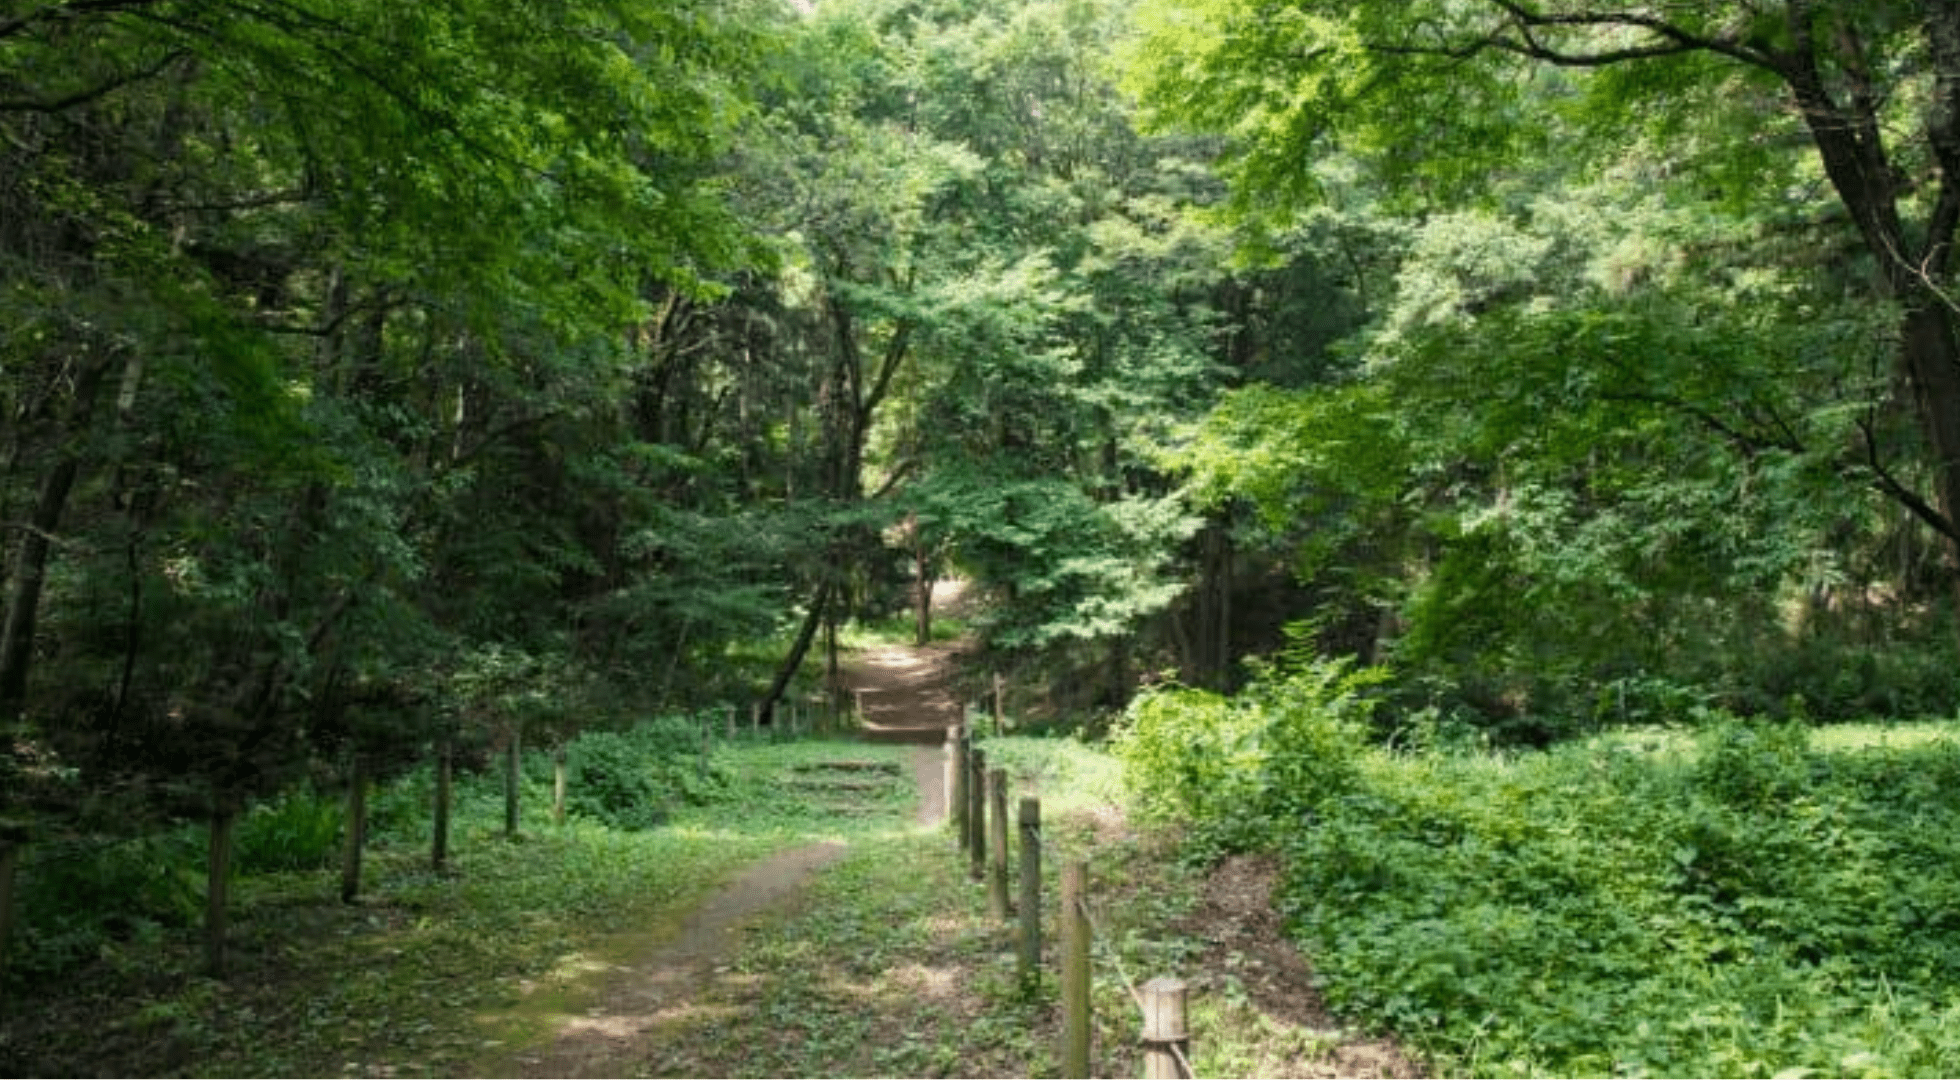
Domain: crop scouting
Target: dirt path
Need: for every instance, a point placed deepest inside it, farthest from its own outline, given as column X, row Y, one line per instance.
column 907, row 697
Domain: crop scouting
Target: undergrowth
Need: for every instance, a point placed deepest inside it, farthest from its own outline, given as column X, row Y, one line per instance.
column 392, row 985
column 1738, row 902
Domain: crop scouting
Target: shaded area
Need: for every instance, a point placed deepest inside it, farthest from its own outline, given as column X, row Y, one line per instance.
column 607, row 1038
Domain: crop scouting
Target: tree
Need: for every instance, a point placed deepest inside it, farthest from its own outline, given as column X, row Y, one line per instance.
column 1440, row 97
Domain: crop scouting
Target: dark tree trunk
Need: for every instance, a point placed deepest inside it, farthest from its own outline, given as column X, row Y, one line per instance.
column 31, row 559
column 819, row 609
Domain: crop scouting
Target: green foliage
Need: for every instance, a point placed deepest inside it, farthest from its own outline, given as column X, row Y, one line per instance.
column 1748, row 905
column 1271, row 758
column 77, row 899
column 299, row 829
column 631, row 779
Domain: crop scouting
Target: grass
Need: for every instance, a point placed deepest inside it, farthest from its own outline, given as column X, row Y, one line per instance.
column 1746, row 900
column 395, row 983
column 888, row 964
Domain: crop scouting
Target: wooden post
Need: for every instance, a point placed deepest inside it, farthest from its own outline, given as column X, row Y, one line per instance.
column 956, row 746
column 1000, row 703
column 707, row 748
column 217, row 890
column 13, row 838
column 997, row 844
column 976, row 809
column 857, row 703
column 1166, row 1040
column 445, row 779
column 558, row 784
column 1075, row 970
column 755, row 716
column 1029, row 951
column 729, row 710
column 513, row 764
column 356, row 840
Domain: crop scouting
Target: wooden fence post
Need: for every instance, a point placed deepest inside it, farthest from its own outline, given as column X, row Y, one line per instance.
column 1166, row 1040
column 976, row 809
column 1030, row 943
column 1000, row 703
column 1075, row 970
column 956, row 747
column 439, row 831
column 997, row 903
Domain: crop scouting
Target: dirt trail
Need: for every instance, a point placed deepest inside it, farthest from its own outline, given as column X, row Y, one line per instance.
column 907, row 697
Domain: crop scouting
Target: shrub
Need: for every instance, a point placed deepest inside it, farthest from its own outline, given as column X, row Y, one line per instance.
column 1239, row 769
column 612, row 781
column 299, row 830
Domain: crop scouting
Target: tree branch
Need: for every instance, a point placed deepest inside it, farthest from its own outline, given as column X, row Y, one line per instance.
column 93, row 93
column 1518, row 33
column 1884, row 481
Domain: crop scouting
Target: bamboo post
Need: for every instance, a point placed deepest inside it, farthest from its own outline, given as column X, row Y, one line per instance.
column 1075, row 970
column 956, row 747
column 1030, row 943
column 1166, row 1039
column 976, row 810
column 997, row 903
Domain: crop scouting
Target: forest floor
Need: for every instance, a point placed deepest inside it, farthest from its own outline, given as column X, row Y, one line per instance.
column 716, row 999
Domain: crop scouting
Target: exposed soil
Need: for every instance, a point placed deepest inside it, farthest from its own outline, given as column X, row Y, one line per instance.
column 1245, row 942
column 608, row 1040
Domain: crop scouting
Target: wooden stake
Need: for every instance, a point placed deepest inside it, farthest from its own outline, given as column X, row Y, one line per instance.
column 1166, row 1040
column 956, row 808
column 1075, row 970
column 997, row 903
column 1029, row 953
column 976, row 809
column 445, row 779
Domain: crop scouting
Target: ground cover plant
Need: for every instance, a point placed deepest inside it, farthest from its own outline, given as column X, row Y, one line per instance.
column 400, row 982
column 1733, row 901
column 892, row 966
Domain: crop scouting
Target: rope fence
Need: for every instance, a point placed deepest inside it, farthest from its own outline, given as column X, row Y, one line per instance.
column 977, row 805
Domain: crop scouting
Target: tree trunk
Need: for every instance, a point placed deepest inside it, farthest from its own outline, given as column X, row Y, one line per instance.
column 819, row 607
column 445, row 771
column 350, row 857
column 217, row 891
column 31, row 560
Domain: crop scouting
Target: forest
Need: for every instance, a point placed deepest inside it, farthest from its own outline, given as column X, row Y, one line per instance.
column 1303, row 388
